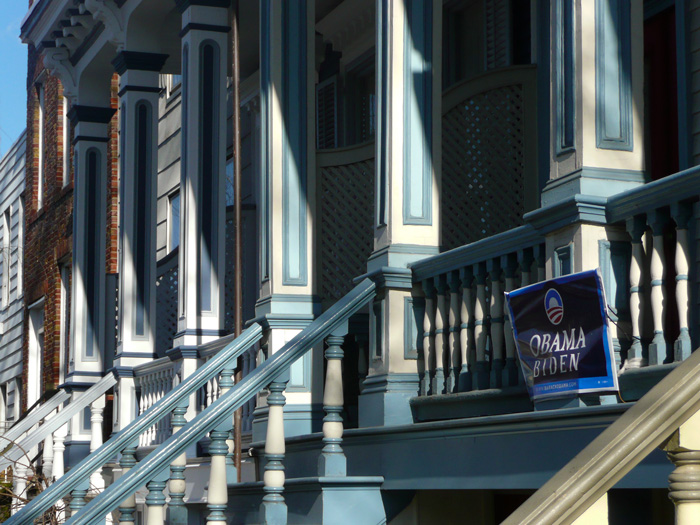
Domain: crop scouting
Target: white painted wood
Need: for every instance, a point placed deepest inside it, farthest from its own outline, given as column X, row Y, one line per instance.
column 454, row 353
column 97, row 482
column 428, row 349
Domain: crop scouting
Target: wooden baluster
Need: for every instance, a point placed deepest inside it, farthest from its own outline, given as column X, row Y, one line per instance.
column 657, row 220
column 525, row 259
column 635, row 229
column 496, row 330
column 466, row 339
column 78, row 495
column 177, row 512
column 274, row 508
column 428, row 326
column 540, row 254
column 47, row 458
column 155, row 502
column 58, row 469
column 681, row 215
column 128, row 506
column 19, row 483
column 438, row 384
column 142, row 406
column 480, row 378
column 97, row 482
column 510, row 373
column 217, row 493
column 332, row 461
column 454, row 334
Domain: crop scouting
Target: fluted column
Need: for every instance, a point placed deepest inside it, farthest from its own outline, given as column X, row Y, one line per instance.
column 332, row 461
column 428, row 340
column 453, row 352
column 635, row 229
column 466, row 339
column 481, row 373
column 127, row 508
column 657, row 221
column 681, row 213
column 274, row 508
column 496, row 328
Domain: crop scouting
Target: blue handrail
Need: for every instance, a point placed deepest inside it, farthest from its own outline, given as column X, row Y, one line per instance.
column 128, row 435
column 219, row 412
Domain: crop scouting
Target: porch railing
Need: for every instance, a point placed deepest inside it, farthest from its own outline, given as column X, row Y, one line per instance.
column 657, row 220
column 216, row 420
column 467, row 340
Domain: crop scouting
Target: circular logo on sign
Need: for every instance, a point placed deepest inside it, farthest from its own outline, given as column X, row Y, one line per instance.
column 554, row 306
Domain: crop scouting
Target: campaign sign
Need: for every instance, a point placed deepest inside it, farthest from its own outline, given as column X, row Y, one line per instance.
column 562, row 335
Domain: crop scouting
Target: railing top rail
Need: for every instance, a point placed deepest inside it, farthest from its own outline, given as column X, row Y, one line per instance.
column 620, row 447
column 503, row 243
column 157, row 365
column 218, row 413
column 684, row 185
column 34, row 417
column 129, row 435
column 346, row 155
column 58, row 420
column 494, row 79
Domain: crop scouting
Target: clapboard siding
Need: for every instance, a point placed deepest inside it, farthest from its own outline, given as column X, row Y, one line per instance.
column 12, row 180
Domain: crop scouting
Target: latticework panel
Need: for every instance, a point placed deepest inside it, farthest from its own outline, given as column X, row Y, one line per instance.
column 166, row 307
column 346, row 211
column 482, row 166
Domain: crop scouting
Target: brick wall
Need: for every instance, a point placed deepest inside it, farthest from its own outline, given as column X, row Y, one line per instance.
column 48, row 231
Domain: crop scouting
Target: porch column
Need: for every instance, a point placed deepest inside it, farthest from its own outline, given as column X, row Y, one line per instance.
column 202, row 171
column 138, row 152
column 88, row 316
column 408, row 160
column 287, row 303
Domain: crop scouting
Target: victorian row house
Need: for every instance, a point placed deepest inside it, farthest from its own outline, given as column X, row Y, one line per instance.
column 367, row 177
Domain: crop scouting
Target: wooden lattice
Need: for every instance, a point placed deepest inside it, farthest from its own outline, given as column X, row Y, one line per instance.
column 482, row 166
column 345, row 236
column 166, row 304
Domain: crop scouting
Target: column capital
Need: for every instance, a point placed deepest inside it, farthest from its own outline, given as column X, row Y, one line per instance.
column 95, row 114
column 139, row 60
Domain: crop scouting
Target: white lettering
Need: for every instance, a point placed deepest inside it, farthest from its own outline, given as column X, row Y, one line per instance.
column 545, row 343
column 568, row 342
column 536, row 370
column 574, row 361
column 535, row 347
column 562, row 363
column 555, row 343
column 581, row 343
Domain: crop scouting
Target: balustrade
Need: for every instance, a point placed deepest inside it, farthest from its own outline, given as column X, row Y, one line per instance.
column 466, row 327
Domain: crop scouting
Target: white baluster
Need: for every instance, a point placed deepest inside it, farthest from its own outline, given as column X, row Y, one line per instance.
column 681, row 214
column 58, row 470
column 19, row 483
column 657, row 349
column 155, row 502
column 127, row 508
column 466, row 337
column 97, row 483
column 274, row 508
column 635, row 228
column 47, row 458
column 480, row 379
column 496, row 329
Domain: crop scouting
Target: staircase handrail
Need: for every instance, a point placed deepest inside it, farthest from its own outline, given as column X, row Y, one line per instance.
column 55, row 422
column 219, row 413
column 130, row 434
column 617, row 450
column 32, row 418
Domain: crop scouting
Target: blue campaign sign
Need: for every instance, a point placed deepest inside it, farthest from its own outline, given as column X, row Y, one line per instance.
column 562, row 335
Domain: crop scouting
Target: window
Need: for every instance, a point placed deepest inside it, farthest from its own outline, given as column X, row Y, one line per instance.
column 66, row 144
column 172, row 82
column 40, row 160
column 6, row 257
column 19, row 249
column 36, row 351
column 361, row 102
column 173, row 221
column 65, row 322
column 4, row 425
